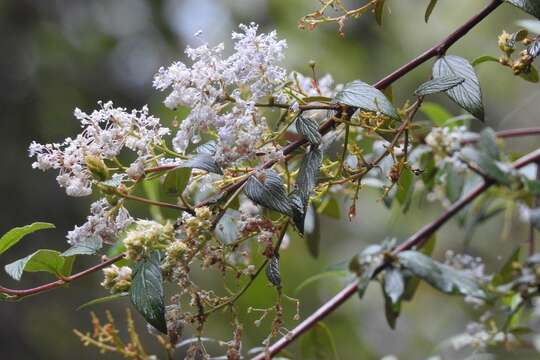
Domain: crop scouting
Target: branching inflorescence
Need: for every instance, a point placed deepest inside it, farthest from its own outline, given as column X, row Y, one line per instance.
column 253, row 162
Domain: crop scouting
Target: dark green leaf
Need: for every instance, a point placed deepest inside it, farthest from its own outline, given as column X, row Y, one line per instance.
column 439, row 84
column 532, row 186
column 14, row 235
column 104, row 299
column 483, row 59
column 309, row 129
column 318, row 343
column 146, row 291
column 405, row 186
column 308, row 175
column 176, row 180
column 391, row 309
column 272, row 271
column 530, row 6
column 429, row 9
column 411, row 282
column 266, row 188
column 203, row 162
column 88, row 246
column 365, row 97
column 42, row 260
column 468, row 94
column 441, row 276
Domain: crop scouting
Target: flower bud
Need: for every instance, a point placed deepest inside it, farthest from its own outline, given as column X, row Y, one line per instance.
column 97, row 167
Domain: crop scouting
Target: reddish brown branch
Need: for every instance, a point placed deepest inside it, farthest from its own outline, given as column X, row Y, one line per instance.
column 58, row 283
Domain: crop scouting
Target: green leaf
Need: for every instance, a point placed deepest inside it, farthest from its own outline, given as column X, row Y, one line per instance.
column 411, row 282
column 176, row 180
column 505, row 274
column 468, row 94
column 405, row 187
column 151, row 189
column 435, row 112
column 486, row 164
column 266, row 189
column 88, row 246
column 146, row 291
column 318, row 343
column 429, row 9
column 529, row 6
column 379, row 11
column 272, row 271
column 487, row 142
column 531, row 75
column 330, row 207
column 394, row 284
column 102, row 300
column 454, row 183
column 441, row 276
column 365, row 97
column 50, row 261
column 391, row 309
column 439, row 84
column 312, row 231
column 483, row 59
column 14, row 235
column 309, row 129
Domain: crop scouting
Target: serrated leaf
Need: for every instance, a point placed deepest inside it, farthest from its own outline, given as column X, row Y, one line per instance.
column 298, row 209
column 486, row 164
column 14, row 235
column 439, row 84
column 483, row 59
column 318, row 343
column 146, row 291
column 176, row 180
column 208, row 148
column 272, row 271
column 88, row 246
column 50, row 261
column 266, row 189
column 309, row 129
column 308, row 175
column 468, row 94
column 366, row 97
column 441, row 276
column 104, row 299
column 429, row 9
column 529, row 6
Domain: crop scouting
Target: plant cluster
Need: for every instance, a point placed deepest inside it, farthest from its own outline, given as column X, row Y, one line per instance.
column 261, row 155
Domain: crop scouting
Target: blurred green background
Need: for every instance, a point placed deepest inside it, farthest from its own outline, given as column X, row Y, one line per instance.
column 58, row 55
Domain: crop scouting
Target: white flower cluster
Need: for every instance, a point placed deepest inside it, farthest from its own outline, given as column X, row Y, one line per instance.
column 213, row 80
column 104, row 221
column 446, row 143
column 117, row 279
column 105, row 132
